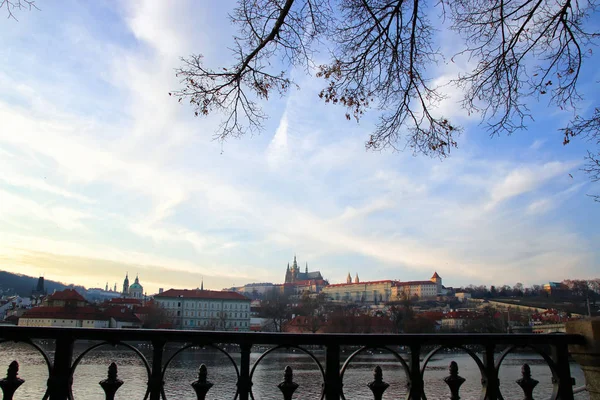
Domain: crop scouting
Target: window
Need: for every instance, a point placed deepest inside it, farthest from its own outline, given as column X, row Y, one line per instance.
column 179, row 304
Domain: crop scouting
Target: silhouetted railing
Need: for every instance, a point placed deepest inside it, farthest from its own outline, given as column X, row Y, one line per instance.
column 552, row 348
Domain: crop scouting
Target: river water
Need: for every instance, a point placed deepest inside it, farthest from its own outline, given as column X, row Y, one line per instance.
column 269, row 372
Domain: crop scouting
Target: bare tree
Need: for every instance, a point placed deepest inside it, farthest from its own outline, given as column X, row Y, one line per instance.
column 380, row 53
column 12, row 6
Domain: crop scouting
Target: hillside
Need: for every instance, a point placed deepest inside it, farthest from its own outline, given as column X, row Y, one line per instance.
column 23, row 285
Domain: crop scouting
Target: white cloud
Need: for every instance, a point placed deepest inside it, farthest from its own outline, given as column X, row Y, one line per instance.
column 526, row 179
column 537, row 144
column 278, row 150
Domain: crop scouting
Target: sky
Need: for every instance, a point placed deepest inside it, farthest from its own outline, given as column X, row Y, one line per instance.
column 103, row 174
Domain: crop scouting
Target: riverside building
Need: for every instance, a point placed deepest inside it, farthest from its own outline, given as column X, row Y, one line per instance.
column 204, row 309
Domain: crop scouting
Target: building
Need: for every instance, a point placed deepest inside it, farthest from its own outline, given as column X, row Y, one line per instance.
column 374, row 292
column 122, row 317
column 361, row 292
column 66, row 308
column 462, row 296
column 555, row 288
column 204, row 309
column 418, row 289
column 297, row 282
column 136, row 290
column 253, row 290
column 293, row 274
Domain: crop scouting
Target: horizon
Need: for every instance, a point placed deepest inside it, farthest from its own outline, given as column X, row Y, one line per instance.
column 103, row 172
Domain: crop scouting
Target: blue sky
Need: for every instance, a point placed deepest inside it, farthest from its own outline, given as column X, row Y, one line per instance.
column 101, row 172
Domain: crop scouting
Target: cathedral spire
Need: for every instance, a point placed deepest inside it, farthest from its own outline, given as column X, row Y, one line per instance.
column 356, row 280
column 349, row 278
column 202, row 284
column 306, row 269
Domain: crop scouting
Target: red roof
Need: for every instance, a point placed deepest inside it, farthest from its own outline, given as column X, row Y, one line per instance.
column 415, row 283
column 308, row 282
column 78, row 313
column 202, row 294
column 435, row 275
column 365, row 283
column 124, row 300
column 67, row 294
column 122, row 314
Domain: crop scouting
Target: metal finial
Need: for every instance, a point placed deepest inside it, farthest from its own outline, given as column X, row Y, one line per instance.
column 378, row 386
column 527, row 383
column 111, row 384
column 454, row 381
column 288, row 386
column 11, row 383
column 202, row 385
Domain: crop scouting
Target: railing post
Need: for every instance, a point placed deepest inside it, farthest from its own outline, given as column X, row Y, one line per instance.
column 333, row 384
column 60, row 380
column 560, row 356
column 416, row 380
column 491, row 381
column 244, row 384
column 156, row 383
column 588, row 355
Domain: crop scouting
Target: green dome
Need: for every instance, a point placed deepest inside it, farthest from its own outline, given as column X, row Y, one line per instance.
column 135, row 286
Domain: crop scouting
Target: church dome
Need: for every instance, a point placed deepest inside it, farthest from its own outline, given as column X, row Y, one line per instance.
column 135, row 286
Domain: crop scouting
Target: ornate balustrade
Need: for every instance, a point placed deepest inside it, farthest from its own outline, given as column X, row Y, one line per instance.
column 487, row 350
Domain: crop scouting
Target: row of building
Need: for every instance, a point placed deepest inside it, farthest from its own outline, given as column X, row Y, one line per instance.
column 297, row 282
column 228, row 309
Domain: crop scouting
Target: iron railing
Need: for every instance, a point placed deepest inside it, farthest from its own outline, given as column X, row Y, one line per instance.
column 490, row 351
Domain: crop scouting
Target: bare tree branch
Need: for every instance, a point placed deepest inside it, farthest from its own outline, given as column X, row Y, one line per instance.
column 380, row 53
column 16, row 5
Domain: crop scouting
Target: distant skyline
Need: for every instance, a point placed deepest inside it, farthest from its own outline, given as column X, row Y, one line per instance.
column 101, row 172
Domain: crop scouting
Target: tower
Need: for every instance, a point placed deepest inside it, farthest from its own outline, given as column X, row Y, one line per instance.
column 106, row 288
column 126, row 284
column 356, row 280
column 349, row 278
column 438, row 282
column 306, row 269
column 288, row 274
column 294, row 270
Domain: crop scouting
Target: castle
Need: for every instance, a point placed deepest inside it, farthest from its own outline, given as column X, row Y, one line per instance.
column 293, row 275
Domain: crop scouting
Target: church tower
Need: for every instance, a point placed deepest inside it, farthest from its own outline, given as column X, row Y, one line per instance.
column 356, row 280
column 349, row 278
column 126, row 285
column 438, row 282
column 294, row 270
column 288, row 274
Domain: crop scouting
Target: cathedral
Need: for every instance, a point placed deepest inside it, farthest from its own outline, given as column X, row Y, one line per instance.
column 135, row 291
column 293, row 274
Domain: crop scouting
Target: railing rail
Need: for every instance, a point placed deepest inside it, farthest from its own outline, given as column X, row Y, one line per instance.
column 62, row 367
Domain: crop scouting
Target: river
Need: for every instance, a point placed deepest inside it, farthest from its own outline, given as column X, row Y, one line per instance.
column 184, row 369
